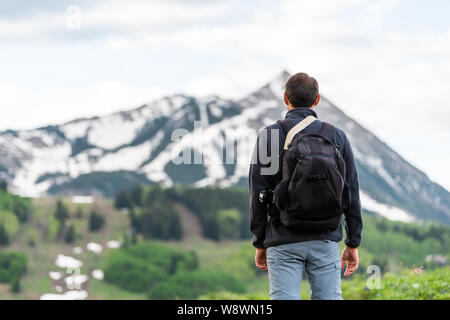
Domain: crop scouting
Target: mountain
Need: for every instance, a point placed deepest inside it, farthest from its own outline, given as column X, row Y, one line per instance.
column 102, row 155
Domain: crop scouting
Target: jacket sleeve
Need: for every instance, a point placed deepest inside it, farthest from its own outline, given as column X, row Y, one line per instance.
column 257, row 182
column 353, row 219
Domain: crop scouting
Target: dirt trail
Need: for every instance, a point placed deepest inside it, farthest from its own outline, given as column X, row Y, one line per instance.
column 189, row 222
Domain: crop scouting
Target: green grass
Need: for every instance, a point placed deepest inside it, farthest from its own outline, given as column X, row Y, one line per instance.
column 404, row 285
column 9, row 220
column 100, row 290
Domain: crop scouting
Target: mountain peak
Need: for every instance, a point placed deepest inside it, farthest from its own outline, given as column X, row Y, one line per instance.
column 284, row 75
column 277, row 85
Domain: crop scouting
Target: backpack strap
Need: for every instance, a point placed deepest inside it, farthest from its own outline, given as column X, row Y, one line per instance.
column 327, row 131
column 287, row 125
column 291, row 131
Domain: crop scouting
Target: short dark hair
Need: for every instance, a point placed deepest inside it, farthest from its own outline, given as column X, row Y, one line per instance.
column 302, row 90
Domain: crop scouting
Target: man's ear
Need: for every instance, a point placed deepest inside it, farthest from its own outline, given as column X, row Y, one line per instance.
column 317, row 100
column 286, row 101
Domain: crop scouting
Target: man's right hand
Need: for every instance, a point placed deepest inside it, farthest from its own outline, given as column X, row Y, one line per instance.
column 351, row 256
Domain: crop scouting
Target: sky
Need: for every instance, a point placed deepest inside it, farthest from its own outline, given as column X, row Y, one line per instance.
column 385, row 63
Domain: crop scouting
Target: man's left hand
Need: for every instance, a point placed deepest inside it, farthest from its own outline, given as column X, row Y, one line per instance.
column 261, row 258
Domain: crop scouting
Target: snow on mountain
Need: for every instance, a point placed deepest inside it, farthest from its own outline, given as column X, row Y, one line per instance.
column 387, row 211
column 143, row 145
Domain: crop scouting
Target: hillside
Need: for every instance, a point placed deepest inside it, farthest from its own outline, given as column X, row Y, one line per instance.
column 119, row 262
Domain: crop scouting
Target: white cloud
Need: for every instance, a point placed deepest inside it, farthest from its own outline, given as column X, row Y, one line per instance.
column 144, row 14
column 103, row 17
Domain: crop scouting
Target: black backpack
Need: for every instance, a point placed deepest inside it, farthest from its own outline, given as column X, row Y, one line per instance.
column 312, row 194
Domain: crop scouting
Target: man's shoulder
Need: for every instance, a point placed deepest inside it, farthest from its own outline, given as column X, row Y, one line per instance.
column 272, row 126
column 268, row 130
column 339, row 132
column 340, row 136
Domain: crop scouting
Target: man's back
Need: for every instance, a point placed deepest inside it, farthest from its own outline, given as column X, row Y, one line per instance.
column 275, row 233
column 290, row 250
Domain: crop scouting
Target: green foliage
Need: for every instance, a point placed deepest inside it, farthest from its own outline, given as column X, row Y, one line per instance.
column 4, row 237
column 190, row 285
column 71, row 234
column 165, row 273
column 223, row 213
column 10, row 223
column 137, row 195
column 15, row 285
column 96, row 221
column 152, row 214
column 241, row 263
column 140, row 267
column 13, row 265
column 394, row 243
column 79, row 213
column 61, row 212
column 159, row 223
column 123, row 200
column 3, row 185
column 52, row 228
column 229, row 222
column 19, row 206
column 21, row 209
column 406, row 285
column 207, row 202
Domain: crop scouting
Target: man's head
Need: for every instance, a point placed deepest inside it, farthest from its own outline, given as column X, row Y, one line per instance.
column 302, row 91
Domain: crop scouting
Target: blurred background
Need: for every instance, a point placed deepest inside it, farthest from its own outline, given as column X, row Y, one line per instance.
column 92, row 203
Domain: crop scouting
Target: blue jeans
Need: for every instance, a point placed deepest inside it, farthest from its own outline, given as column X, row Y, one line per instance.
column 319, row 258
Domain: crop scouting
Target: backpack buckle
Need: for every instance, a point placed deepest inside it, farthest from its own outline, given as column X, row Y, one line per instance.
column 266, row 196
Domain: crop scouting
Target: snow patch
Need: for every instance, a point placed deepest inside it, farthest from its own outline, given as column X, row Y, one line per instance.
column 69, row 295
column 98, row 274
column 63, row 261
column 75, row 281
column 114, row 131
column 387, row 211
column 128, row 158
column 94, row 247
column 82, row 199
column 203, row 114
column 113, row 244
column 55, row 275
column 216, row 111
column 75, row 129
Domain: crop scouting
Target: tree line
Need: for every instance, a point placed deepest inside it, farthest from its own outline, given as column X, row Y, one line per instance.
column 14, row 210
column 223, row 213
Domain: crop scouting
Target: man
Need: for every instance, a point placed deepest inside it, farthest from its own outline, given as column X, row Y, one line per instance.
column 285, row 252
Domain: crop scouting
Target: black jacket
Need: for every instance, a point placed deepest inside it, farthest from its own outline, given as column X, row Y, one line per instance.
column 268, row 231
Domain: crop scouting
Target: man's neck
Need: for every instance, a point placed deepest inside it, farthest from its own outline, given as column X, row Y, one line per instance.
column 292, row 108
